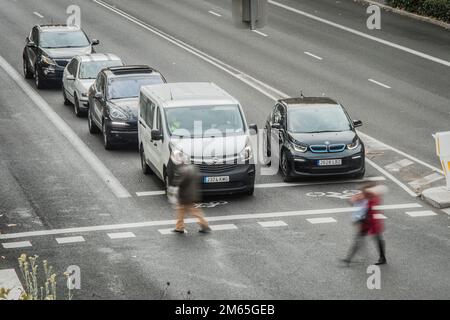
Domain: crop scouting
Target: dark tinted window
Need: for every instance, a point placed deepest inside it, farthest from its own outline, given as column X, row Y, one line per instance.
column 129, row 87
column 317, row 118
column 64, row 39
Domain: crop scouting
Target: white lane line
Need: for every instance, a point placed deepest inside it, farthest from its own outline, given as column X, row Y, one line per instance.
column 419, row 183
column 69, row 240
column 260, row 33
column 10, row 280
column 214, row 13
column 220, row 227
column 362, row 34
column 247, row 79
column 425, row 213
column 108, row 178
column 38, row 14
column 272, row 224
column 247, row 216
column 166, row 231
column 391, row 177
column 396, row 166
column 312, row 55
column 379, row 216
column 150, row 193
column 379, row 83
column 321, row 220
column 282, row 185
column 388, row 147
column 121, row 235
column 14, row 245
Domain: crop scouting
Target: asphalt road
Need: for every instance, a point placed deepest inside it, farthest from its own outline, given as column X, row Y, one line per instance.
column 50, row 191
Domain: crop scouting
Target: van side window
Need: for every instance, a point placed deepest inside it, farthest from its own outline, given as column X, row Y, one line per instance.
column 149, row 113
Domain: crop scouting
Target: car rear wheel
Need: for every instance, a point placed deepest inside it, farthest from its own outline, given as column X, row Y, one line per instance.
column 26, row 70
column 92, row 126
column 285, row 166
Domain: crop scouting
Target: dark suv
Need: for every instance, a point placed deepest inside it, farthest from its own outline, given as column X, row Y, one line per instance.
column 49, row 48
column 114, row 102
column 316, row 138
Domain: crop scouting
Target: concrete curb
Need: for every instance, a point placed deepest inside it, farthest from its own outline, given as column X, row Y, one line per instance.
column 434, row 21
column 438, row 197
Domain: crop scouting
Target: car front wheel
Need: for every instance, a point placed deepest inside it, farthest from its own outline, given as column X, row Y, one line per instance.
column 26, row 70
column 37, row 79
column 106, row 138
column 286, row 166
column 144, row 166
column 91, row 124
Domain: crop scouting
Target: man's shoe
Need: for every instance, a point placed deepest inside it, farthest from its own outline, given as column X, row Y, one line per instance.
column 178, row 231
column 381, row 261
column 346, row 261
column 205, row 230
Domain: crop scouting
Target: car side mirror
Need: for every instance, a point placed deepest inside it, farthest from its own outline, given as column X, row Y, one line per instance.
column 95, row 42
column 357, row 123
column 31, row 44
column 98, row 96
column 156, row 135
column 275, row 126
column 253, row 128
column 70, row 77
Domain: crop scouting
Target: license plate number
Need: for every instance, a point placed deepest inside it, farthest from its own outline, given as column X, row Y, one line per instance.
column 331, row 162
column 216, row 179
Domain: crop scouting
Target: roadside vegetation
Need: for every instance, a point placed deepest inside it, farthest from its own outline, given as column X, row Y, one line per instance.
column 439, row 9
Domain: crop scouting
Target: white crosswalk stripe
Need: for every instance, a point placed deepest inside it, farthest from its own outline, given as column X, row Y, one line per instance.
column 121, row 235
column 70, row 240
column 272, row 224
column 220, row 227
column 18, row 244
column 425, row 213
column 321, row 220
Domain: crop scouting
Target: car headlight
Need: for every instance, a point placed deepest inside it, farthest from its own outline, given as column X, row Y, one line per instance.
column 246, row 154
column 117, row 114
column 300, row 148
column 48, row 61
column 353, row 145
column 179, row 157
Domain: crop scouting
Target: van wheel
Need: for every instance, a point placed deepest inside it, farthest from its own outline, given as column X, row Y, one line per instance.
column 144, row 166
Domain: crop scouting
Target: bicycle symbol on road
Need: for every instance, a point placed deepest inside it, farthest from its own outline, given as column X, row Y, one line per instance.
column 346, row 194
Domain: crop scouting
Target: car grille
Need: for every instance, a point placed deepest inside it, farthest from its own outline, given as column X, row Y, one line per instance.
column 324, row 148
column 62, row 63
column 216, row 168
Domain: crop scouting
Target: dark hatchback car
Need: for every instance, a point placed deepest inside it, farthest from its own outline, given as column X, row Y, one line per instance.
column 316, row 138
column 48, row 50
column 114, row 102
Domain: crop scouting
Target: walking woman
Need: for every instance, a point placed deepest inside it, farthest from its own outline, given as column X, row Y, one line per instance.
column 368, row 224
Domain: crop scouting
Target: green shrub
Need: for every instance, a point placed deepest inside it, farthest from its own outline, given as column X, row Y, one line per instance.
column 439, row 9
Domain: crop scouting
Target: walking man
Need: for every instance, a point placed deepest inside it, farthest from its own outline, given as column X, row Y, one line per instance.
column 367, row 223
column 187, row 178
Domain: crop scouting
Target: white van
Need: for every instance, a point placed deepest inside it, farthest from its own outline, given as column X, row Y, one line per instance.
column 201, row 124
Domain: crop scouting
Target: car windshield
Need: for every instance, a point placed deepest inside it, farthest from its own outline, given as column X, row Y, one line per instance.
column 90, row 69
column 205, row 121
column 129, row 87
column 68, row 39
column 317, row 118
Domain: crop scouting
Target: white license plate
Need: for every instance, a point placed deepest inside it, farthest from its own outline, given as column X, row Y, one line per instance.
column 331, row 162
column 216, row 179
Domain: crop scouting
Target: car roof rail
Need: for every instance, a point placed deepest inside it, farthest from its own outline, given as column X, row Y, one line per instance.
column 131, row 69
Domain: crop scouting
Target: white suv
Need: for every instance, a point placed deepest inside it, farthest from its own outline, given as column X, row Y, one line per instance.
column 80, row 73
column 201, row 124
